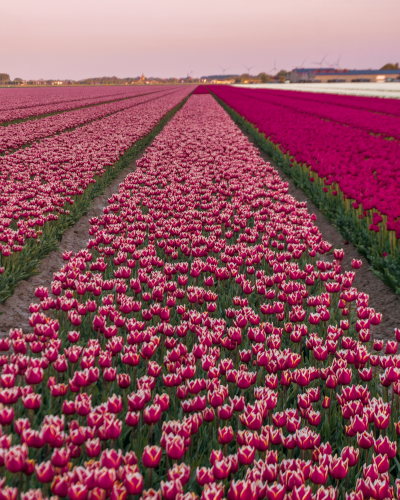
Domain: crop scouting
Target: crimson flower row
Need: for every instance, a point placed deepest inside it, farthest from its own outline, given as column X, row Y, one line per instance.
column 371, row 104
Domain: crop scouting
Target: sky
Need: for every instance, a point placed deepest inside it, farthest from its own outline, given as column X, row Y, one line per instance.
column 76, row 39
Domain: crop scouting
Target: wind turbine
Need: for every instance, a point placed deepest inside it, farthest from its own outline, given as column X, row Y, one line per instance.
column 336, row 63
column 274, row 68
column 223, row 69
column 321, row 62
column 302, row 64
column 248, row 68
column 189, row 75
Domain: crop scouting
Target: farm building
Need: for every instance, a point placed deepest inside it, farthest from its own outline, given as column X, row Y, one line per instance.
column 328, row 75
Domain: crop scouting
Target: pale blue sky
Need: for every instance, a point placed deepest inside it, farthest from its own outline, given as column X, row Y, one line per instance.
column 82, row 38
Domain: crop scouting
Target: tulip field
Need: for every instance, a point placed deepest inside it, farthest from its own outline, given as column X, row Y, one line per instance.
column 21, row 134
column 17, row 105
column 344, row 152
column 205, row 344
column 45, row 187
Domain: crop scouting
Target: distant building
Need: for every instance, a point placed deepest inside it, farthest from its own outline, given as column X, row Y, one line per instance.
column 57, row 82
column 332, row 75
column 218, row 78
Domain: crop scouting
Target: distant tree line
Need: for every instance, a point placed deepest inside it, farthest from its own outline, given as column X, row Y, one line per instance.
column 391, row 66
column 281, row 76
column 4, row 78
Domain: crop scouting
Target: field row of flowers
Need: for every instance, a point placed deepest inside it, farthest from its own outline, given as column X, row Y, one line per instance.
column 40, row 102
column 201, row 344
column 47, row 187
column 19, row 134
column 374, row 104
column 31, row 97
column 351, row 175
column 384, row 125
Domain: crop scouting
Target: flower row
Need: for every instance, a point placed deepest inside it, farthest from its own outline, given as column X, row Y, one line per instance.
column 374, row 105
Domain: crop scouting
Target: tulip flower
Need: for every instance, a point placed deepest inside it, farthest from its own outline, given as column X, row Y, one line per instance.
column 365, row 440
column 275, row 491
column 133, row 483
column 181, row 472
column 225, row 435
column 242, row 490
column 77, row 491
column 175, row 447
column 44, row 472
column 151, row 456
column 351, row 454
column 170, row 489
column 204, row 476
column 246, row 455
column 384, row 446
column 338, row 468
column 8, row 493
column 221, row 469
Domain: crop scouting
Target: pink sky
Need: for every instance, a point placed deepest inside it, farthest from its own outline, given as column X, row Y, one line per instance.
column 81, row 38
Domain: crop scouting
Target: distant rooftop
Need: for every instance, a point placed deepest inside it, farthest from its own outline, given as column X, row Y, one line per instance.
column 216, row 77
column 329, row 71
column 306, row 70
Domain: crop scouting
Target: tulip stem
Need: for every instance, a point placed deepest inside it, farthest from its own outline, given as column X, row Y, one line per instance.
column 392, row 400
column 149, row 477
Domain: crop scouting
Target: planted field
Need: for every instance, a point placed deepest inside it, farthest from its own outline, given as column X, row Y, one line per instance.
column 20, row 134
column 344, row 153
column 203, row 344
column 32, row 103
column 40, row 185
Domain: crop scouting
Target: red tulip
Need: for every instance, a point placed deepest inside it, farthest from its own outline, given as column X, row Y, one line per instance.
column 77, row 491
column 338, row 468
column 175, row 447
column 151, row 456
column 225, row 435
column 221, row 469
column 242, row 490
column 181, row 472
column 170, row 489
column 275, row 491
column 60, row 485
column 44, row 472
column 152, row 414
column 204, row 476
column 246, row 455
